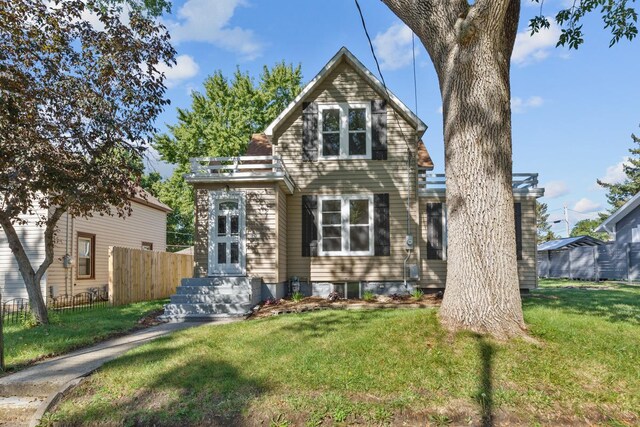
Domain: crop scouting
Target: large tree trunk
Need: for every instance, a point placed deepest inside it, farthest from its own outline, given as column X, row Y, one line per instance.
column 470, row 47
column 31, row 277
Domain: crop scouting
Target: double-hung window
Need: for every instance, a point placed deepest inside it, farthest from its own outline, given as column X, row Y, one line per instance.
column 345, row 131
column 346, row 225
column 86, row 255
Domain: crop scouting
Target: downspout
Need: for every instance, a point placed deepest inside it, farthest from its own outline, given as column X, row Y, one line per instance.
column 407, row 246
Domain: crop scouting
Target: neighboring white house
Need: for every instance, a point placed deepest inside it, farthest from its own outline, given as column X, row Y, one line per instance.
column 86, row 241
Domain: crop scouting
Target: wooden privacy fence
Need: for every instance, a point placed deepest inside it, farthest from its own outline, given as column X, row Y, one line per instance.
column 138, row 275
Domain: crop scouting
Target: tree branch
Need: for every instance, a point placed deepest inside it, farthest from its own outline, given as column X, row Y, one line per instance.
column 49, row 234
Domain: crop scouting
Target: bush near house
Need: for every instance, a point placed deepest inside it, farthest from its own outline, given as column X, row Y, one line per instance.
column 383, row 367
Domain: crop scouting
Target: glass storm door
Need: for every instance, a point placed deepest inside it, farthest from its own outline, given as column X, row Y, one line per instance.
column 226, row 235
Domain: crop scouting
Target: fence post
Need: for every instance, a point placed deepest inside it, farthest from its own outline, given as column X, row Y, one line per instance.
column 570, row 269
column 596, row 269
column 1, row 335
column 628, row 263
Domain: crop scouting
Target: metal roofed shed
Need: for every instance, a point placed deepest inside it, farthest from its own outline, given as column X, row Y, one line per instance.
column 571, row 258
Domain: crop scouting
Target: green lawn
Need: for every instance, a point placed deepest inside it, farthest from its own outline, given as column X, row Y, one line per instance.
column 382, row 367
column 68, row 330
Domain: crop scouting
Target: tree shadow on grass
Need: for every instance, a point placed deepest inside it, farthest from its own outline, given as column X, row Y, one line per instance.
column 614, row 305
column 484, row 394
column 197, row 390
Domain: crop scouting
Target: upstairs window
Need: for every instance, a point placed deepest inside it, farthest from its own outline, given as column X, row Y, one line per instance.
column 345, row 131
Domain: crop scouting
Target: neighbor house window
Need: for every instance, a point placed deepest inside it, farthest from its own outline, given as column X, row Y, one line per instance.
column 345, row 131
column 86, row 255
column 436, row 231
column 346, row 225
column 147, row 246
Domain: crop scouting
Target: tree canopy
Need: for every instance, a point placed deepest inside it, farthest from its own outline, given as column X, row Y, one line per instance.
column 77, row 107
column 543, row 228
column 619, row 193
column 219, row 122
column 586, row 227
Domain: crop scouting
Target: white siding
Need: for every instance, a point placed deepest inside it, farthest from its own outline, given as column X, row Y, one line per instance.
column 32, row 238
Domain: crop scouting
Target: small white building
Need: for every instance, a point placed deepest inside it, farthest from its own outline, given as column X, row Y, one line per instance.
column 81, row 249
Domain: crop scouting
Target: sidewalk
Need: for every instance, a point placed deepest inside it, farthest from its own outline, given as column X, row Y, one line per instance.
column 30, row 391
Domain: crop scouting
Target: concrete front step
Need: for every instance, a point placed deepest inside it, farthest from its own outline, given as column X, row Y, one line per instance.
column 211, row 290
column 235, row 298
column 207, row 309
column 198, row 317
column 217, row 281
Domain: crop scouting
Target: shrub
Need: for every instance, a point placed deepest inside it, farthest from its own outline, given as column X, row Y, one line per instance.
column 417, row 294
column 297, row 296
column 368, row 296
column 333, row 296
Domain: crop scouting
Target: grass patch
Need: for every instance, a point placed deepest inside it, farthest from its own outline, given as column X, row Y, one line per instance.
column 382, row 367
column 67, row 330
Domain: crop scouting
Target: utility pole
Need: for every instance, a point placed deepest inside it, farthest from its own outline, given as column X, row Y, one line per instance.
column 566, row 219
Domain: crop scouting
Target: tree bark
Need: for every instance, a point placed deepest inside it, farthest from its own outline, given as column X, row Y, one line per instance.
column 470, row 46
column 31, row 277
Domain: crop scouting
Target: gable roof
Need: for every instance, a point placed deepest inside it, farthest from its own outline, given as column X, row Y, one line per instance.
column 259, row 145
column 344, row 55
column 423, row 157
column 569, row 242
column 609, row 225
column 145, row 198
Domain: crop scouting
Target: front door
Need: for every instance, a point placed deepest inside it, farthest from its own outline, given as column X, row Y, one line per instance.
column 227, row 234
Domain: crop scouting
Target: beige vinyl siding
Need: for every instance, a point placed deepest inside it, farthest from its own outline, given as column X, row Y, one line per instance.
column 260, row 225
column 32, row 238
column 146, row 224
column 349, row 177
column 434, row 272
column 281, row 234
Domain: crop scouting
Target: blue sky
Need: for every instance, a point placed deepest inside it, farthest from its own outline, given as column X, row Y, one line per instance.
column 573, row 111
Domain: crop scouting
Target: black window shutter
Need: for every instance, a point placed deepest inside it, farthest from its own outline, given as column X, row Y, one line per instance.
column 309, row 131
column 309, row 226
column 382, row 246
column 434, row 231
column 379, row 129
column 517, row 211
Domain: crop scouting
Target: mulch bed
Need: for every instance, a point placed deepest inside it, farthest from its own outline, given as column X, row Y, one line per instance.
column 285, row 306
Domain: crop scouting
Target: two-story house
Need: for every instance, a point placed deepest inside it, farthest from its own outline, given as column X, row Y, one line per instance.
column 336, row 196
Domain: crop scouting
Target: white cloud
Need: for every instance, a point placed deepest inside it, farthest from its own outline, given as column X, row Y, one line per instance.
column 554, row 189
column 615, row 174
column 394, row 47
column 208, row 21
column 184, row 69
column 529, row 49
column 585, row 205
column 519, row 105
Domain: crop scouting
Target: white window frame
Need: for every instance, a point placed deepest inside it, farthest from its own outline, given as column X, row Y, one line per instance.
column 345, row 225
column 344, row 108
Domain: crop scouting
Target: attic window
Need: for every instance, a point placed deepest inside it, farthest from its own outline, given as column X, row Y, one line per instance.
column 345, row 131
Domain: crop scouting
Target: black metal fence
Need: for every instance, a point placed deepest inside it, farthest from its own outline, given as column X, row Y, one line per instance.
column 17, row 309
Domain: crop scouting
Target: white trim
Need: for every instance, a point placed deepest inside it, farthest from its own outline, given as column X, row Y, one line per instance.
column 609, row 225
column 214, row 198
column 344, row 54
column 344, row 108
column 345, row 225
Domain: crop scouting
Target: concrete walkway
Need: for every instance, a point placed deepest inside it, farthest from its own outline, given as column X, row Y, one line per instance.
column 27, row 394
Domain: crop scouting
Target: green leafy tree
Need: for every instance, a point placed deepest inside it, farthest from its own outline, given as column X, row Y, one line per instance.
column 77, row 106
column 219, row 122
column 470, row 44
column 618, row 194
column 586, row 227
column 543, row 227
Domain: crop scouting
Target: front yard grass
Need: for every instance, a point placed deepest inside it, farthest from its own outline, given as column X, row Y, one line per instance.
column 69, row 330
column 382, row 367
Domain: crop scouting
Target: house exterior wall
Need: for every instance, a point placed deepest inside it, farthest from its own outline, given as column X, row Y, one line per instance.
column 32, row 238
column 261, row 227
column 349, row 177
column 434, row 272
column 624, row 228
column 146, row 224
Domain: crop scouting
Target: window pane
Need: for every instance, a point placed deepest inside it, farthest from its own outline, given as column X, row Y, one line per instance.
column 331, row 218
column 331, row 120
column 228, row 206
column 357, row 119
column 331, row 244
column 331, row 206
column 359, row 238
column 331, row 144
column 84, row 266
column 357, row 143
column 339, row 289
column 331, row 231
column 84, row 247
column 359, row 211
column 222, row 226
column 235, row 227
column 222, row 253
column 353, row 290
column 234, row 253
